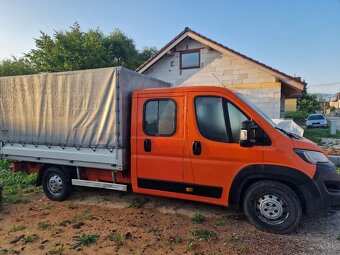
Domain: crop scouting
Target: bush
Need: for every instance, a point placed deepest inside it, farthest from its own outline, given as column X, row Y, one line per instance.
column 297, row 116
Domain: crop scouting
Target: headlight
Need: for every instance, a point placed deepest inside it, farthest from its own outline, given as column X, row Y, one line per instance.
column 312, row 157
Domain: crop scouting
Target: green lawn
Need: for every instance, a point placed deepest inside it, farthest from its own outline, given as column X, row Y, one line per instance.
column 315, row 134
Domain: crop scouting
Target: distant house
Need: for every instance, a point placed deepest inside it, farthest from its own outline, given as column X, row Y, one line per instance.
column 193, row 59
column 335, row 101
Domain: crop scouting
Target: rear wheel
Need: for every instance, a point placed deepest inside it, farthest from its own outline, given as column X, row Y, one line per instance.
column 272, row 207
column 56, row 184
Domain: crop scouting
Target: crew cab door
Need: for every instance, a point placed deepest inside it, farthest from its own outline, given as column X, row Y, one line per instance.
column 213, row 134
column 159, row 140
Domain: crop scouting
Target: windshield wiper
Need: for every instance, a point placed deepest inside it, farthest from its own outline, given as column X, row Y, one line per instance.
column 291, row 135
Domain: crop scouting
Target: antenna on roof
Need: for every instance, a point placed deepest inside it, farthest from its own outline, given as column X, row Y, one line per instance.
column 218, row 79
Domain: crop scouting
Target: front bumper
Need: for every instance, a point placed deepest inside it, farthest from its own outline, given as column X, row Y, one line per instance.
column 328, row 183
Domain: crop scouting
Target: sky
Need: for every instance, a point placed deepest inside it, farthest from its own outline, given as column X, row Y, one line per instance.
column 300, row 38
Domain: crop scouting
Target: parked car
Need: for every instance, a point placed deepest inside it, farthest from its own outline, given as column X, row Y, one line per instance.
column 316, row 120
column 113, row 128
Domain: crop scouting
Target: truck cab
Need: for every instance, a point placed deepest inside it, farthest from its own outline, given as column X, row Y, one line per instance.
column 210, row 144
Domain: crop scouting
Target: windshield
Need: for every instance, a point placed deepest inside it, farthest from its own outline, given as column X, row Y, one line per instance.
column 316, row 117
column 263, row 115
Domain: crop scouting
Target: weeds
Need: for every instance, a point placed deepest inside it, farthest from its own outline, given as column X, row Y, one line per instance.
column 56, row 249
column 192, row 245
column 16, row 184
column 197, row 218
column 203, row 234
column 220, row 223
column 77, row 219
column 16, row 228
column 175, row 239
column 30, row 238
column 85, row 240
column 135, row 204
column 338, row 238
column 44, row 225
column 116, row 237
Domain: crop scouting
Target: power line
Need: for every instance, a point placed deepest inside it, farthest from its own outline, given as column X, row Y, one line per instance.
column 325, row 84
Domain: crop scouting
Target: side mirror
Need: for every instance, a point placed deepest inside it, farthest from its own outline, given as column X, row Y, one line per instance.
column 247, row 135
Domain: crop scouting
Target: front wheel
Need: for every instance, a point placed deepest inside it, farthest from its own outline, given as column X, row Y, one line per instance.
column 272, row 207
column 56, row 184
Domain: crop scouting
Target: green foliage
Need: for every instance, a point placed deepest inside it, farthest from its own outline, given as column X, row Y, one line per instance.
column 14, row 66
column 44, row 225
column 197, row 218
column 75, row 49
column 203, row 234
column 338, row 238
column 309, row 103
column 16, row 228
column 56, row 249
column 135, row 204
column 220, row 223
column 30, row 238
column 296, row 114
column 192, row 245
column 116, row 237
column 175, row 239
column 85, row 240
column 16, row 184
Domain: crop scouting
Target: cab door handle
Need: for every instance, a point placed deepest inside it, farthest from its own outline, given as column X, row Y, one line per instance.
column 147, row 145
column 196, row 148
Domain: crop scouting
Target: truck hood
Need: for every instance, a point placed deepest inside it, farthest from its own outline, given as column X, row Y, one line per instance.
column 306, row 144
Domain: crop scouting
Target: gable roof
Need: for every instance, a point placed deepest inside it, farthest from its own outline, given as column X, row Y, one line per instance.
column 187, row 32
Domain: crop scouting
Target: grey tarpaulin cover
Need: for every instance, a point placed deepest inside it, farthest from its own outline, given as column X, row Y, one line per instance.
column 89, row 108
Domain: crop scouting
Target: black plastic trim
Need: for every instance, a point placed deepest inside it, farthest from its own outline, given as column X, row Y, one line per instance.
column 181, row 187
column 301, row 183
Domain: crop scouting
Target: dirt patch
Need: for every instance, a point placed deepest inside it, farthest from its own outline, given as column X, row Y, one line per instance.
column 118, row 223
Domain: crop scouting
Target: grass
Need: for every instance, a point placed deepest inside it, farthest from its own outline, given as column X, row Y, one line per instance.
column 116, row 237
column 30, row 238
column 135, row 204
column 44, row 225
column 15, row 185
column 175, row 239
column 85, row 240
column 56, row 249
column 338, row 238
column 197, row 218
column 316, row 134
column 192, row 245
column 204, row 235
column 220, row 223
column 17, row 228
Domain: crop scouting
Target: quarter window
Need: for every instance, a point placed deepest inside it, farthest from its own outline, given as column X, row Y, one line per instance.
column 190, row 59
column 159, row 117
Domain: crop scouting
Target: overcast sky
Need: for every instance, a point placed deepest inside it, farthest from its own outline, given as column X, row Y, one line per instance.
column 297, row 37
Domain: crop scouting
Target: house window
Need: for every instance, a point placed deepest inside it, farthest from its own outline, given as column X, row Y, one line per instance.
column 159, row 117
column 190, row 59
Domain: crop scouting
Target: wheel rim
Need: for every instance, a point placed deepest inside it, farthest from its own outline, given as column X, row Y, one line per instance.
column 55, row 184
column 271, row 209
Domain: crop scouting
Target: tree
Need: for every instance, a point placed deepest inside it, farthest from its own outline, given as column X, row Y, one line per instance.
column 14, row 66
column 76, row 50
column 309, row 103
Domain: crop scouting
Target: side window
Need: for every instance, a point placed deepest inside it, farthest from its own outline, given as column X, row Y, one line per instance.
column 210, row 118
column 218, row 120
column 236, row 117
column 159, row 117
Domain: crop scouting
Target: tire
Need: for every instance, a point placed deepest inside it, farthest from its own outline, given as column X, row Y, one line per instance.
column 272, row 207
column 56, row 184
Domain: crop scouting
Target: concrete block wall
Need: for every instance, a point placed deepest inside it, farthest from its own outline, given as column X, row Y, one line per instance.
column 219, row 69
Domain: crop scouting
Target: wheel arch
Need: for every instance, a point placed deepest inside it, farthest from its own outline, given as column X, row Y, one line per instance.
column 300, row 183
column 66, row 169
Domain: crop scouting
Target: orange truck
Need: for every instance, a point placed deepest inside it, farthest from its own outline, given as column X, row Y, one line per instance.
column 112, row 128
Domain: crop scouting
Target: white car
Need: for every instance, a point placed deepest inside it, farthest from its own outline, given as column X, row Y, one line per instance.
column 316, row 120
